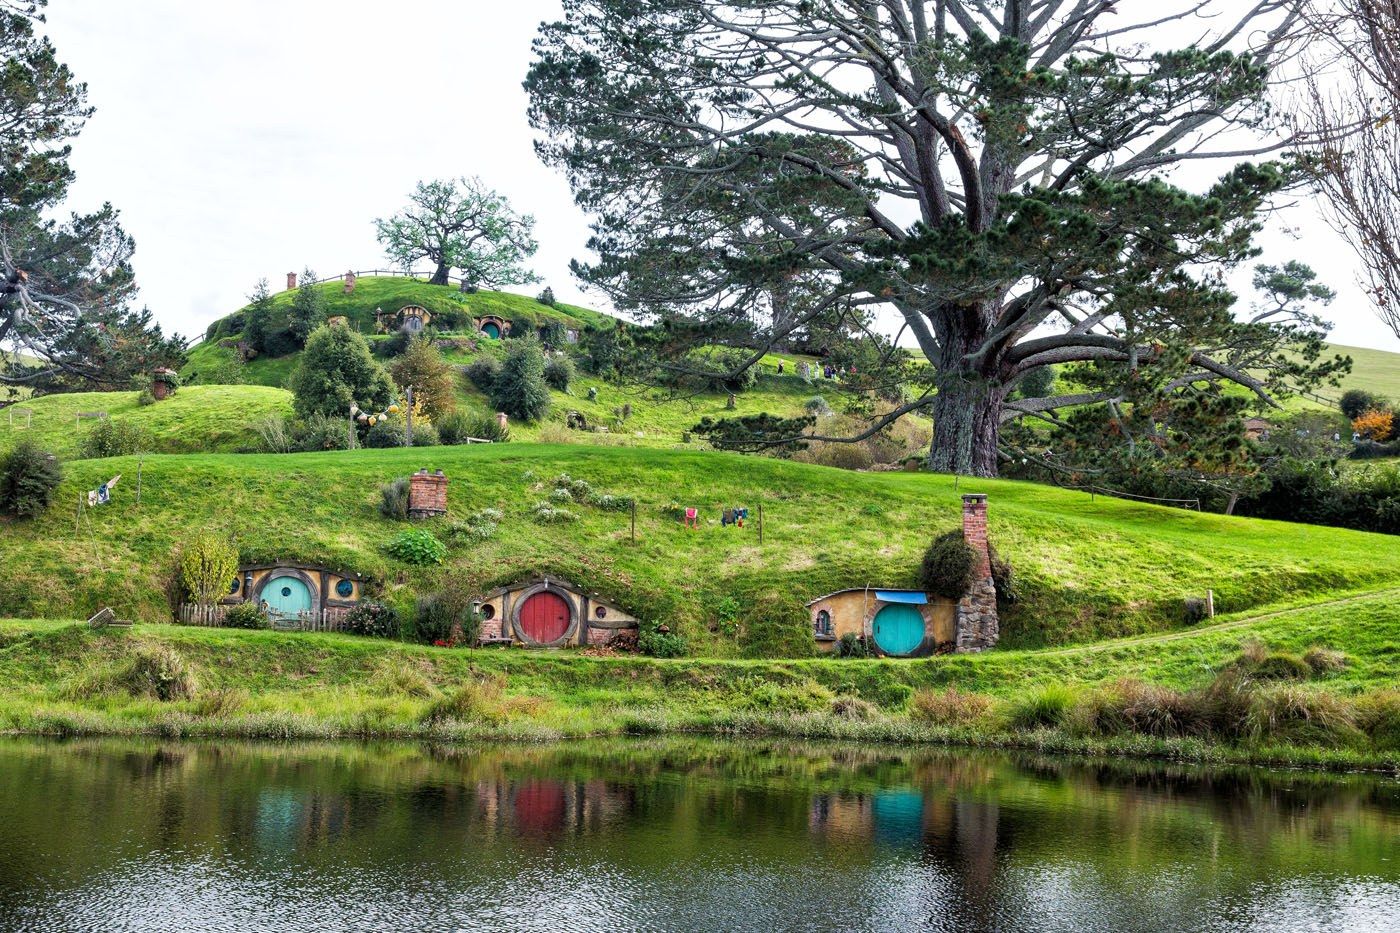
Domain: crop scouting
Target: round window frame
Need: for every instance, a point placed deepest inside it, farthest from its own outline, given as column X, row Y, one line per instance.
column 344, row 588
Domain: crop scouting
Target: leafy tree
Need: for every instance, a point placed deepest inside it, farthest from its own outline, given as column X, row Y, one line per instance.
column 461, row 224
column 208, row 563
column 335, row 371
column 28, row 478
column 519, row 389
column 753, row 168
column 1037, row 383
column 258, row 319
column 434, row 383
column 1356, row 402
column 1374, row 425
column 65, row 283
column 308, row 308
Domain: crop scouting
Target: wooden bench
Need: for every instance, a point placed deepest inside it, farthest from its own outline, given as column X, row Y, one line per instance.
column 106, row 618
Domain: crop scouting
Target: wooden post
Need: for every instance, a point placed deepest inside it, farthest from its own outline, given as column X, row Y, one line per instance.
column 1210, row 604
column 140, row 461
column 760, row 523
column 634, row 521
column 408, row 435
column 78, row 515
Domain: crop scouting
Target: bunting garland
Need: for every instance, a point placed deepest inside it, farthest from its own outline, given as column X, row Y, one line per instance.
column 370, row 420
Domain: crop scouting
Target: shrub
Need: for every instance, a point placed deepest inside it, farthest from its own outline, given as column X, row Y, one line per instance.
column 1146, row 709
column 546, row 297
column 417, row 546
column 776, row 626
column 422, row 368
column 854, row 708
column 208, row 562
column 246, row 615
column 454, row 427
column 28, row 478
column 559, row 372
column 1374, row 425
column 393, row 499
column 727, row 616
column 659, row 641
column 159, row 672
column 949, row 566
column 274, row 437
column 323, row 432
column 1294, row 714
column 1194, row 610
column 373, row 619
column 1003, row 578
column 386, row 433
column 816, row 405
column 425, row 435
column 479, row 526
column 482, row 372
column 554, row 335
column 337, row 371
column 851, row 645
column 108, row 438
column 1258, row 662
column 520, row 390
column 610, row 503
column 145, row 398
column 548, row 513
column 489, row 428
column 444, row 617
column 1356, row 402
column 478, row 700
column 950, row 707
column 1378, row 715
column 1044, row 707
column 1324, row 660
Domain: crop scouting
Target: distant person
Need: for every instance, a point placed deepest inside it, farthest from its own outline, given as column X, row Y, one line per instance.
column 780, row 367
column 692, row 518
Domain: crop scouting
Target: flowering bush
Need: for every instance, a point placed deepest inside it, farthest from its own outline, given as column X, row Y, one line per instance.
column 373, row 619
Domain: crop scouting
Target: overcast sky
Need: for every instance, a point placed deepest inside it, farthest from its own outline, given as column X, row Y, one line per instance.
column 242, row 145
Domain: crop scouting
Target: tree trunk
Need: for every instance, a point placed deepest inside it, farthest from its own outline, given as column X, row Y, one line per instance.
column 440, row 276
column 966, row 413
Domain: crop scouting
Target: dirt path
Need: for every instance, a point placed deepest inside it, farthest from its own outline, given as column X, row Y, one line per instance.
column 1222, row 626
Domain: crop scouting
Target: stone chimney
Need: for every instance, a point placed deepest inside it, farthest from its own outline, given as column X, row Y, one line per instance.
column 503, row 420
column 349, row 282
column 978, row 625
column 291, row 281
column 427, row 494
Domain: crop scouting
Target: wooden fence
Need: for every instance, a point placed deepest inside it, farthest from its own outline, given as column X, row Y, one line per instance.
column 319, row 620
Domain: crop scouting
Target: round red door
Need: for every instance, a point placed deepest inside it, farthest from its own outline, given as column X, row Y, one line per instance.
column 544, row 617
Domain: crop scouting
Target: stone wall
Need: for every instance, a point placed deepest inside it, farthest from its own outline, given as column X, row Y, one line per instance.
column 978, row 624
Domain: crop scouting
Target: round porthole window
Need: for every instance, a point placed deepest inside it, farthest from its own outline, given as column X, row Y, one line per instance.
column 286, row 591
column 233, row 587
column 601, row 612
column 488, row 612
column 345, row 589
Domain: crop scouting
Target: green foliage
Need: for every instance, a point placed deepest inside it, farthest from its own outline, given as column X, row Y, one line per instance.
column 949, row 566
column 425, row 435
column 145, row 398
column 949, row 707
column 373, row 619
column 444, row 617
column 851, row 645
column 216, row 366
column 1037, row 383
column 559, row 373
column 324, row 432
column 387, row 433
column 546, row 297
column 1356, row 402
column 422, row 368
column 207, row 562
column 658, row 641
column 727, row 616
column 28, row 478
column 483, row 372
column 1044, row 707
column 246, row 615
column 336, row 371
column 109, row 437
column 393, row 499
column 308, row 309
column 418, row 547
column 159, row 673
column 478, row 701
column 454, row 427
column 520, row 390
column 258, row 317
column 753, row 433
column 776, row 626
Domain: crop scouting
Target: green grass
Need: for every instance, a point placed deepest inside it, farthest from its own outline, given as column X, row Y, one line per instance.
column 60, row 677
column 1375, row 371
column 1087, row 569
column 196, row 418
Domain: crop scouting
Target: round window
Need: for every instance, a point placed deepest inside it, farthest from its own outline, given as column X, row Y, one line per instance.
column 601, row 612
column 345, row 589
column 488, row 612
column 233, row 587
column 286, row 591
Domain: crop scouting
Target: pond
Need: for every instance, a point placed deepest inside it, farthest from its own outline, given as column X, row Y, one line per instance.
column 677, row 835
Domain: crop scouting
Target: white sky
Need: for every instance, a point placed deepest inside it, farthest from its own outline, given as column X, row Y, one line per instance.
column 246, row 140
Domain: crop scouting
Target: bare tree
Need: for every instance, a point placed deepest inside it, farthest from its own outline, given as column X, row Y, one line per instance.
column 1353, row 107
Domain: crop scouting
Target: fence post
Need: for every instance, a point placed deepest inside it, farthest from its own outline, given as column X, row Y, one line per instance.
column 1210, row 604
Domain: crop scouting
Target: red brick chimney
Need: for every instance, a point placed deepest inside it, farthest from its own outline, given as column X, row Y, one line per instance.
column 349, row 282
column 427, row 494
column 291, row 281
column 978, row 624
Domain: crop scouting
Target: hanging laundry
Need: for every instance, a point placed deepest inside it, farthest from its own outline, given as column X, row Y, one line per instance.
column 103, row 494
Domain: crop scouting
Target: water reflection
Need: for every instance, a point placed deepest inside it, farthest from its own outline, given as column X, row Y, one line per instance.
column 677, row 835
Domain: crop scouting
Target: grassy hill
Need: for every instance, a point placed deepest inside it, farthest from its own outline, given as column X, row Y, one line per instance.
column 1373, row 370
column 1087, row 569
column 196, row 418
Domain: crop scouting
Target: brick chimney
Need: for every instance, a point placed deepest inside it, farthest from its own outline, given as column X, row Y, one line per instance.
column 349, row 282
column 503, row 420
column 291, row 281
column 427, row 494
column 978, row 625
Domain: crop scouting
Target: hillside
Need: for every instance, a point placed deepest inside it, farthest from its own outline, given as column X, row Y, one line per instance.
column 1373, row 370
column 1087, row 569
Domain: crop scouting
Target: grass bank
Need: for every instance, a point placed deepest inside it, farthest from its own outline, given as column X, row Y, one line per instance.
column 63, row 679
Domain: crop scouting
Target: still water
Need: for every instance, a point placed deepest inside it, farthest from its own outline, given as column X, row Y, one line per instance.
column 634, row 835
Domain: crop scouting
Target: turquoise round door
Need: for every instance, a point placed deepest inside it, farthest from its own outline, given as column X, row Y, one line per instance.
column 287, row 596
column 491, row 330
column 899, row 630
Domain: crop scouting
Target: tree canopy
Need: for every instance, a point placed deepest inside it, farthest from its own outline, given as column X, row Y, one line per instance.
column 336, row 371
column 461, row 224
column 990, row 176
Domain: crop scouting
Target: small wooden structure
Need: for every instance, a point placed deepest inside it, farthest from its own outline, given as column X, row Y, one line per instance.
column 546, row 612
column 106, row 618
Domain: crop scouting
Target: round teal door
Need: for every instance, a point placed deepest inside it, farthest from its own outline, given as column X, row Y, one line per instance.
column 899, row 630
column 287, row 596
column 492, row 330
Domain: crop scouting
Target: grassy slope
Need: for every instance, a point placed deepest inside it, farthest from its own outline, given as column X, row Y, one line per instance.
column 1373, row 370
column 196, row 418
column 1087, row 569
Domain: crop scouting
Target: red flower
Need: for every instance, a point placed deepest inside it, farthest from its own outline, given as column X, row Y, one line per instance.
column 440, row 644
